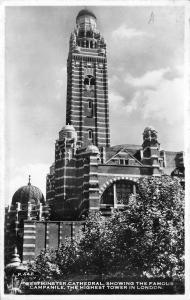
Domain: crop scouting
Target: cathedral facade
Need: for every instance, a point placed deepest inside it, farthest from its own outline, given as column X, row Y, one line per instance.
column 88, row 173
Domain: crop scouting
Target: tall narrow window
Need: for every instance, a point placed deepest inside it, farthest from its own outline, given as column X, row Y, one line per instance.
column 86, row 81
column 121, row 161
column 90, row 109
column 90, row 134
column 89, row 103
column 92, row 81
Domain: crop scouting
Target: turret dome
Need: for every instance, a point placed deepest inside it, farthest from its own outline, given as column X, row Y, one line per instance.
column 92, row 149
column 149, row 128
column 85, row 12
column 27, row 193
column 68, row 132
column 86, row 21
column 69, row 128
column 150, row 133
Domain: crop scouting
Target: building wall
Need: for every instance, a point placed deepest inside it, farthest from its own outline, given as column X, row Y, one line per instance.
column 50, row 234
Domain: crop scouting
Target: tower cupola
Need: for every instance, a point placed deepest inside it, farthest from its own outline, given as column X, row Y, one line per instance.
column 86, row 20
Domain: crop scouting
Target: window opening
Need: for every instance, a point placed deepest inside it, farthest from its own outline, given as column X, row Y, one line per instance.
column 90, row 134
column 89, row 82
column 92, row 81
column 121, row 161
column 90, row 104
column 86, row 81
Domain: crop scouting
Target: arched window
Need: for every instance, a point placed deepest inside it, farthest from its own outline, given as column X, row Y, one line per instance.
column 90, row 109
column 119, row 192
column 92, row 81
column 90, row 104
column 89, row 82
column 86, row 81
column 87, row 44
column 88, row 33
column 90, row 134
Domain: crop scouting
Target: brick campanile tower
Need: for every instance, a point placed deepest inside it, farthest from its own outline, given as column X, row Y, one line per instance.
column 87, row 85
column 87, row 174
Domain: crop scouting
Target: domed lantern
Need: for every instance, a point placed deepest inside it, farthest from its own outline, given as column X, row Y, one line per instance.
column 86, row 20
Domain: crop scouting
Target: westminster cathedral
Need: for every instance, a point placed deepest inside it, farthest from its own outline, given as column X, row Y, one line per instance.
column 88, row 173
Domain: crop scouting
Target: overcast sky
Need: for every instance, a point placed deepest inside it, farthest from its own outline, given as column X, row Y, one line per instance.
column 145, row 74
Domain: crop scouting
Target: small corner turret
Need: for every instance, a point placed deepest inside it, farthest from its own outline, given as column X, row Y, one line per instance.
column 151, row 149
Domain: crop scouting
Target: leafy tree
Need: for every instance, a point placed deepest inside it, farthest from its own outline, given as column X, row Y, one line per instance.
column 160, row 204
column 67, row 257
column 147, row 239
column 44, row 267
column 144, row 240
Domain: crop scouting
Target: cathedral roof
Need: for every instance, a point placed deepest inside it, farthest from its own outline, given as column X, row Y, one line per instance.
column 132, row 149
column 26, row 193
column 85, row 12
column 127, row 146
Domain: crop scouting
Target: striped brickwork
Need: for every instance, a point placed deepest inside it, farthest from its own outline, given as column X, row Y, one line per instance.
column 42, row 235
column 151, row 150
column 94, row 202
column 10, row 234
column 50, row 189
column 74, row 186
column 96, row 118
column 29, row 240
